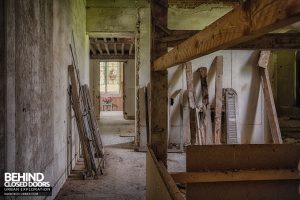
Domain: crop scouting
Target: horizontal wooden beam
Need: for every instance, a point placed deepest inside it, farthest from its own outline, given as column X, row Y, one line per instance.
column 231, row 176
column 244, row 23
column 112, row 57
column 271, row 41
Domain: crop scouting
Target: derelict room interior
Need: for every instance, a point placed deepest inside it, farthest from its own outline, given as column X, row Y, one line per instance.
column 151, row 99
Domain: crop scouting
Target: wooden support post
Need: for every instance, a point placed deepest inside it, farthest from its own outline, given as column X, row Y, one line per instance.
column 218, row 102
column 159, row 84
column 244, row 23
column 268, row 96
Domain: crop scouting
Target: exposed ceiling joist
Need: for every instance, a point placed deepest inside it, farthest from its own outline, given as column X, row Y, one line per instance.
column 244, row 23
column 106, row 46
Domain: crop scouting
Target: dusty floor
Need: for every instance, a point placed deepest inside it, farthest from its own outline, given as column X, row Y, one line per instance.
column 124, row 174
column 125, row 171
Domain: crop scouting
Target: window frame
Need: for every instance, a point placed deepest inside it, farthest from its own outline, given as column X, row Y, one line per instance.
column 106, row 66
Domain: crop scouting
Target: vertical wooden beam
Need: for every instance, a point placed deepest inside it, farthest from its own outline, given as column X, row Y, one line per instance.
column 268, row 96
column 159, row 84
column 218, row 102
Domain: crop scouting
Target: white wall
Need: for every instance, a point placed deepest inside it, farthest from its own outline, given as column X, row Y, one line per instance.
column 241, row 74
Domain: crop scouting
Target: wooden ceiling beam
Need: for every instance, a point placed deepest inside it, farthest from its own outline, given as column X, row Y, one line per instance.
column 115, row 48
column 130, row 49
column 123, row 47
column 106, row 46
column 244, row 23
column 272, row 41
column 269, row 41
column 93, row 49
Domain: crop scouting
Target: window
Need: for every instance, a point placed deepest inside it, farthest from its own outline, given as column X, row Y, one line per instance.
column 110, row 77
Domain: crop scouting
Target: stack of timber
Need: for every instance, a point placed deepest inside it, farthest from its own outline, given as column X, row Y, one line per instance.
column 88, row 129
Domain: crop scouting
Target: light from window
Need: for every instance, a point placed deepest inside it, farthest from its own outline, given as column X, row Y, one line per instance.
column 110, row 77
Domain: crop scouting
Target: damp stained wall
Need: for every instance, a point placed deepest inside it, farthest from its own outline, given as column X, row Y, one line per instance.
column 38, row 120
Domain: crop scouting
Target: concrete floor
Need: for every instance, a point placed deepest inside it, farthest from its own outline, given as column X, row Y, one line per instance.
column 124, row 174
column 125, row 171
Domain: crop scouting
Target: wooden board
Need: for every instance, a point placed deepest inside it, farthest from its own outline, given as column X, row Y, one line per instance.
column 205, row 119
column 246, row 22
column 233, row 176
column 247, row 190
column 242, row 157
column 218, row 99
column 252, row 172
column 268, row 96
column 159, row 183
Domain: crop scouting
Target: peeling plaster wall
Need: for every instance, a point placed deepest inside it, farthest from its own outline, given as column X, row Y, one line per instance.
column 195, row 19
column 2, row 92
column 37, row 104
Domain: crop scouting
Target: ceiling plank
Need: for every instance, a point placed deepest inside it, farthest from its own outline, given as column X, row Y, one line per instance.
column 244, row 23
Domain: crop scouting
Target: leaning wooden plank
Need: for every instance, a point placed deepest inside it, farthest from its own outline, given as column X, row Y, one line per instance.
column 78, row 114
column 232, row 176
column 159, row 183
column 190, row 84
column 205, row 123
column 195, row 131
column 218, row 100
column 268, row 96
column 245, row 22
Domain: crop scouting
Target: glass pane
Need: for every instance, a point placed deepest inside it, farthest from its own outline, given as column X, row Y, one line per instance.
column 113, row 77
column 102, row 77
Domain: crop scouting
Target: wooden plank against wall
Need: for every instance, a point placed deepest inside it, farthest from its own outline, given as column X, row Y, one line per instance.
column 268, row 96
column 195, row 131
column 218, row 101
column 159, row 83
column 205, row 120
column 192, row 106
column 246, row 22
